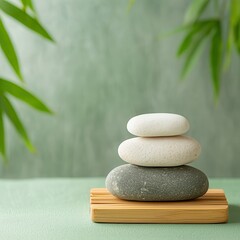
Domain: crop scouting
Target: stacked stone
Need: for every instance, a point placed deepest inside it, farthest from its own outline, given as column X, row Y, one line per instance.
column 157, row 158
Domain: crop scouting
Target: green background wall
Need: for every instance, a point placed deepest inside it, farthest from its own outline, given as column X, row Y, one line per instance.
column 107, row 66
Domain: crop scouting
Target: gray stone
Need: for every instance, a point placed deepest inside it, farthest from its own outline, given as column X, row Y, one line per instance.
column 131, row 182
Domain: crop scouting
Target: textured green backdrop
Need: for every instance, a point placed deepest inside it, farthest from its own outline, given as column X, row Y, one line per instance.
column 107, row 66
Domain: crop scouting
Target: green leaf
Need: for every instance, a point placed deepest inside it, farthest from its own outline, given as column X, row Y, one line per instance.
column 2, row 133
column 24, row 3
column 233, row 31
column 173, row 32
column 186, row 43
column 130, row 4
column 195, row 49
column 8, row 49
column 194, row 30
column 228, row 54
column 24, row 18
column 235, row 12
column 235, row 23
column 237, row 36
column 13, row 117
column 28, row 4
column 216, row 59
column 195, row 10
column 31, row 6
column 23, row 95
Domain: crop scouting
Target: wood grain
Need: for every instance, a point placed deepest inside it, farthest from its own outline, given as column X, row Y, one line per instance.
column 210, row 208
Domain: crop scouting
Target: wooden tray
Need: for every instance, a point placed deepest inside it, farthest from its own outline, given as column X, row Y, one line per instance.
column 210, row 208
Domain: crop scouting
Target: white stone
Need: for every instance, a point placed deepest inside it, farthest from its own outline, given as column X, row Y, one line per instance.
column 158, row 124
column 159, row 151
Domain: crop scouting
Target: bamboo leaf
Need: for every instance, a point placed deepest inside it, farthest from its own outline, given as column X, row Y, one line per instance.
column 186, row 43
column 130, row 4
column 195, row 49
column 195, row 10
column 174, row 31
column 228, row 54
column 31, row 6
column 237, row 36
column 192, row 56
column 216, row 57
column 235, row 23
column 233, row 31
column 28, row 4
column 24, row 3
column 13, row 117
column 235, row 12
column 24, row 18
column 2, row 132
column 23, row 95
column 194, row 30
column 8, row 49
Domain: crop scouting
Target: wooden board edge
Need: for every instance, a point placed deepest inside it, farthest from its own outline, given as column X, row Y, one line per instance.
column 217, row 216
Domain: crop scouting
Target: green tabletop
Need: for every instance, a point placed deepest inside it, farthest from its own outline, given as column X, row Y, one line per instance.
column 59, row 209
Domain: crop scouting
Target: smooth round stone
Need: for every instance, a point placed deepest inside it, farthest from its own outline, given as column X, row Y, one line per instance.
column 158, row 125
column 159, row 152
column 131, row 182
